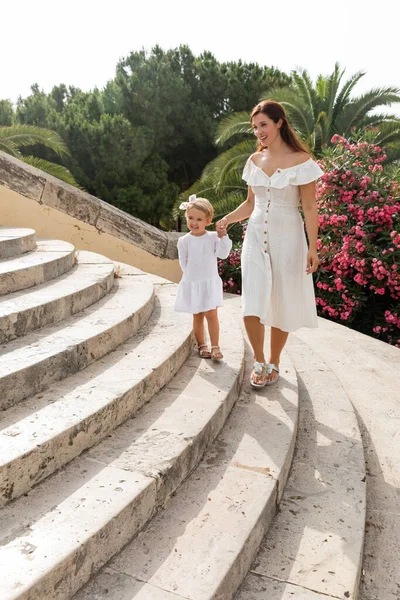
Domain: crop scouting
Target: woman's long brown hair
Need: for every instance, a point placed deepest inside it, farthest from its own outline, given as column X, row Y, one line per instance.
column 275, row 111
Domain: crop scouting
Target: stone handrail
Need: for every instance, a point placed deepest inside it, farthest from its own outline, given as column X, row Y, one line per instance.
column 83, row 210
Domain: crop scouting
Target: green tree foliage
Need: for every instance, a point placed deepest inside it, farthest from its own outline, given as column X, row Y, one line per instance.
column 145, row 137
column 16, row 139
column 317, row 112
column 327, row 108
column 6, row 113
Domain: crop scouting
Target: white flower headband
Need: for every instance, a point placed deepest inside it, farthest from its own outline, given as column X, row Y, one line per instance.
column 185, row 205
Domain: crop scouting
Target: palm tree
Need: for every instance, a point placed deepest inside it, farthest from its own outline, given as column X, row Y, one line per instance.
column 221, row 181
column 15, row 137
column 321, row 111
column 316, row 112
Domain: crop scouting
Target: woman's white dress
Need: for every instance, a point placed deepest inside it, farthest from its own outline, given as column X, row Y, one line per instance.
column 275, row 285
column 200, row 288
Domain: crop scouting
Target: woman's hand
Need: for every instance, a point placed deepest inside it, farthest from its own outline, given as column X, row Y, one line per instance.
column 221, row 226
column 312, row 261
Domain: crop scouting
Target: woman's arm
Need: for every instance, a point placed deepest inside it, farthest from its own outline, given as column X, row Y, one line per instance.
column 241, row 213
column 310, row 211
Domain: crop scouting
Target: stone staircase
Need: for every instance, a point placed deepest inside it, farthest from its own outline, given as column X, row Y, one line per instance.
column 131, row 469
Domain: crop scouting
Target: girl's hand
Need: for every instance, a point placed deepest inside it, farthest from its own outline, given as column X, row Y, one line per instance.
column 221, row 232
column 312, row 261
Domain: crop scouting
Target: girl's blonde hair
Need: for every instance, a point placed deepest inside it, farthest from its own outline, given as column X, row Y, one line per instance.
column 201, row 204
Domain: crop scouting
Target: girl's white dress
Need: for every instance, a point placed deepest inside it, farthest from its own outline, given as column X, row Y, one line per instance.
column 276, row 287
column 200, row 288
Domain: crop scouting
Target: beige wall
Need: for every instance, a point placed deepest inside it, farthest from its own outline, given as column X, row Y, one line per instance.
column 18, row 211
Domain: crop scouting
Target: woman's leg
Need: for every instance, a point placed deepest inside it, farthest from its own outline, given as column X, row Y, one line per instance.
column 256, row 333
column 278, row 341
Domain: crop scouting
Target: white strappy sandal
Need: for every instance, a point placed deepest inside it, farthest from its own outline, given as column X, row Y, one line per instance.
column 258, row 369
column 271, row 367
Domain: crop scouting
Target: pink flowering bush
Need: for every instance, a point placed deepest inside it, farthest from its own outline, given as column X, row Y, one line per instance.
column 229, row 270
column 358, row 283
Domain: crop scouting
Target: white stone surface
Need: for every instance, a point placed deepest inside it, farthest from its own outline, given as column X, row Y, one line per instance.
column 369, row 372
column 381, row 568
column 43, row 433
column 116, row 586
column 317, row 538
column 256, row 587
column 201, row 546
column 15, row 241
column 50, row 260
column 50, row 544
column 30, row 364
column 314, row 547
column 25, row 311
column 78, row 518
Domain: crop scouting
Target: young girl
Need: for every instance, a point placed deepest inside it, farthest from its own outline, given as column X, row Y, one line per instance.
column 200, row 290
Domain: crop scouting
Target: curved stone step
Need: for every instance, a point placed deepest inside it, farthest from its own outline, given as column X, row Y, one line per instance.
column 30, row 364
column 314, row 547
column 202, row 545
column 76, row 520
column 368, row 370
column 15, row 241
column 384, row 354
column 51, row 302
column 43, row 433
column 51, row 259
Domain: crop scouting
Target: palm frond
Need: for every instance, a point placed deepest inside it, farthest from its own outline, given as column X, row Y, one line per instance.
column 354, row 112
column 29, row 135
column 232, row 159
column 304, row 87
column 376, row 119
column 237, row 123
column 332, row 87
column 344, row 95
column 51, row 168
column 9, row 147
column 389, row 133
column 229, row 203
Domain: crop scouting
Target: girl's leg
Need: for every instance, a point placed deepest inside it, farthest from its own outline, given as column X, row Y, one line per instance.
column 213, row 326
column 278, row 341
column 198, row 328
column 256, row 333
column 213, row 330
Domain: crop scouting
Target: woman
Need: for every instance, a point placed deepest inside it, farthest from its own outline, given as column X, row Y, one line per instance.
column 276, row 263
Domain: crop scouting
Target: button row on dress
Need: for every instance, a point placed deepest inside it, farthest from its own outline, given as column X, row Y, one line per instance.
column 266, row 221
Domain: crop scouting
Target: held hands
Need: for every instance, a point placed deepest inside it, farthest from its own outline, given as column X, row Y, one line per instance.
column 312, row 261
column 221, row 227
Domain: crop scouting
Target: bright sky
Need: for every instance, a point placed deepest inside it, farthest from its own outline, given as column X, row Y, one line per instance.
column 79, row 42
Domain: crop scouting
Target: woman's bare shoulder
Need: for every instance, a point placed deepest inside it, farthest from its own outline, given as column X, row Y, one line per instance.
column 256, row 157
column 299, row 158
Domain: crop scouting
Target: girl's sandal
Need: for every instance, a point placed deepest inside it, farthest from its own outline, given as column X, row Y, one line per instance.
column 204, row 351
column 216, row 353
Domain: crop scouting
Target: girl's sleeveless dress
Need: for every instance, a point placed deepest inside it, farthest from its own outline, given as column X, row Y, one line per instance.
column 275, row 286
